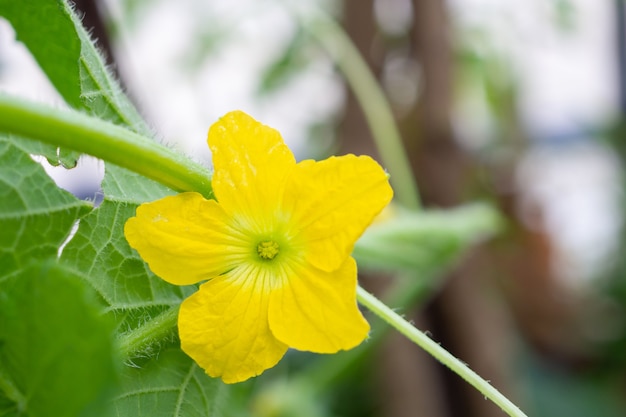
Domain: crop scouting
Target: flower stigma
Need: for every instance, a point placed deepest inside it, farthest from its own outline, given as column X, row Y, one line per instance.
column 267, row 250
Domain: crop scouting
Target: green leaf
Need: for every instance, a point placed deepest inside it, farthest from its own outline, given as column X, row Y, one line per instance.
column 55, row 155
column 35, row 216
column 425, row 242
column 56, row 350
column 165, row 382
column 51, row 39
column 131, row 293
column 171, row 385
column 100, row 92
column 100, row 254
column 123, row 186
column 162, row 382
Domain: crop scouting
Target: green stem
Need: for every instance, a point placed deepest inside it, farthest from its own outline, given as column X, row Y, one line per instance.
column 154, row 331
column 115, row 144
column 434, row 349
column 373, row 102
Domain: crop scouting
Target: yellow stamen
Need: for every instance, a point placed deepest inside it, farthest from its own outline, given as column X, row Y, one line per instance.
column 267, row 249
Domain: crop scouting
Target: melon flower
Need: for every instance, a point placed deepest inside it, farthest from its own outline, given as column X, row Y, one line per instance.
column 274, row 249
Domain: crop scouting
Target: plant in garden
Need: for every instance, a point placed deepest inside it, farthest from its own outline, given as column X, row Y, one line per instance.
column 275, row 247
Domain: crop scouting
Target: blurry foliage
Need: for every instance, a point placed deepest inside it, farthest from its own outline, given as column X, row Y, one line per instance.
column 613, row 283
column 553, row 390
column 565, row 15
column 134, row 10
column 289, row 64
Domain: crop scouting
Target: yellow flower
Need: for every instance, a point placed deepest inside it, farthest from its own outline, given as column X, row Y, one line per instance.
column 274, row 249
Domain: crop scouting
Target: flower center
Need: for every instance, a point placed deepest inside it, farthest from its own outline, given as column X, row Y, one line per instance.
column 267, row 249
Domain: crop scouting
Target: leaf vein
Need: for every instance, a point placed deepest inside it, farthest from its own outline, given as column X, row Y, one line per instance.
column 146, row 391
column 183, row 389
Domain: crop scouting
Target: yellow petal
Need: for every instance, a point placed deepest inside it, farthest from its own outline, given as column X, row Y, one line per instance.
column 251, row 164
column 223, row 327
column 332, row 202
column 185, row 238
column 316, row 311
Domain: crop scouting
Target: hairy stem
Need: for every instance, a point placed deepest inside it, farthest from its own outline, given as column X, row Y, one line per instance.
column 73, row 130
column 155, row 330
column 438, row 352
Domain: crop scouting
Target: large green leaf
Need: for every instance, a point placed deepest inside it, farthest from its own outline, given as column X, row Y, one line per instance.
column 171, row 385
column 35, row 216
column 56, row 349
